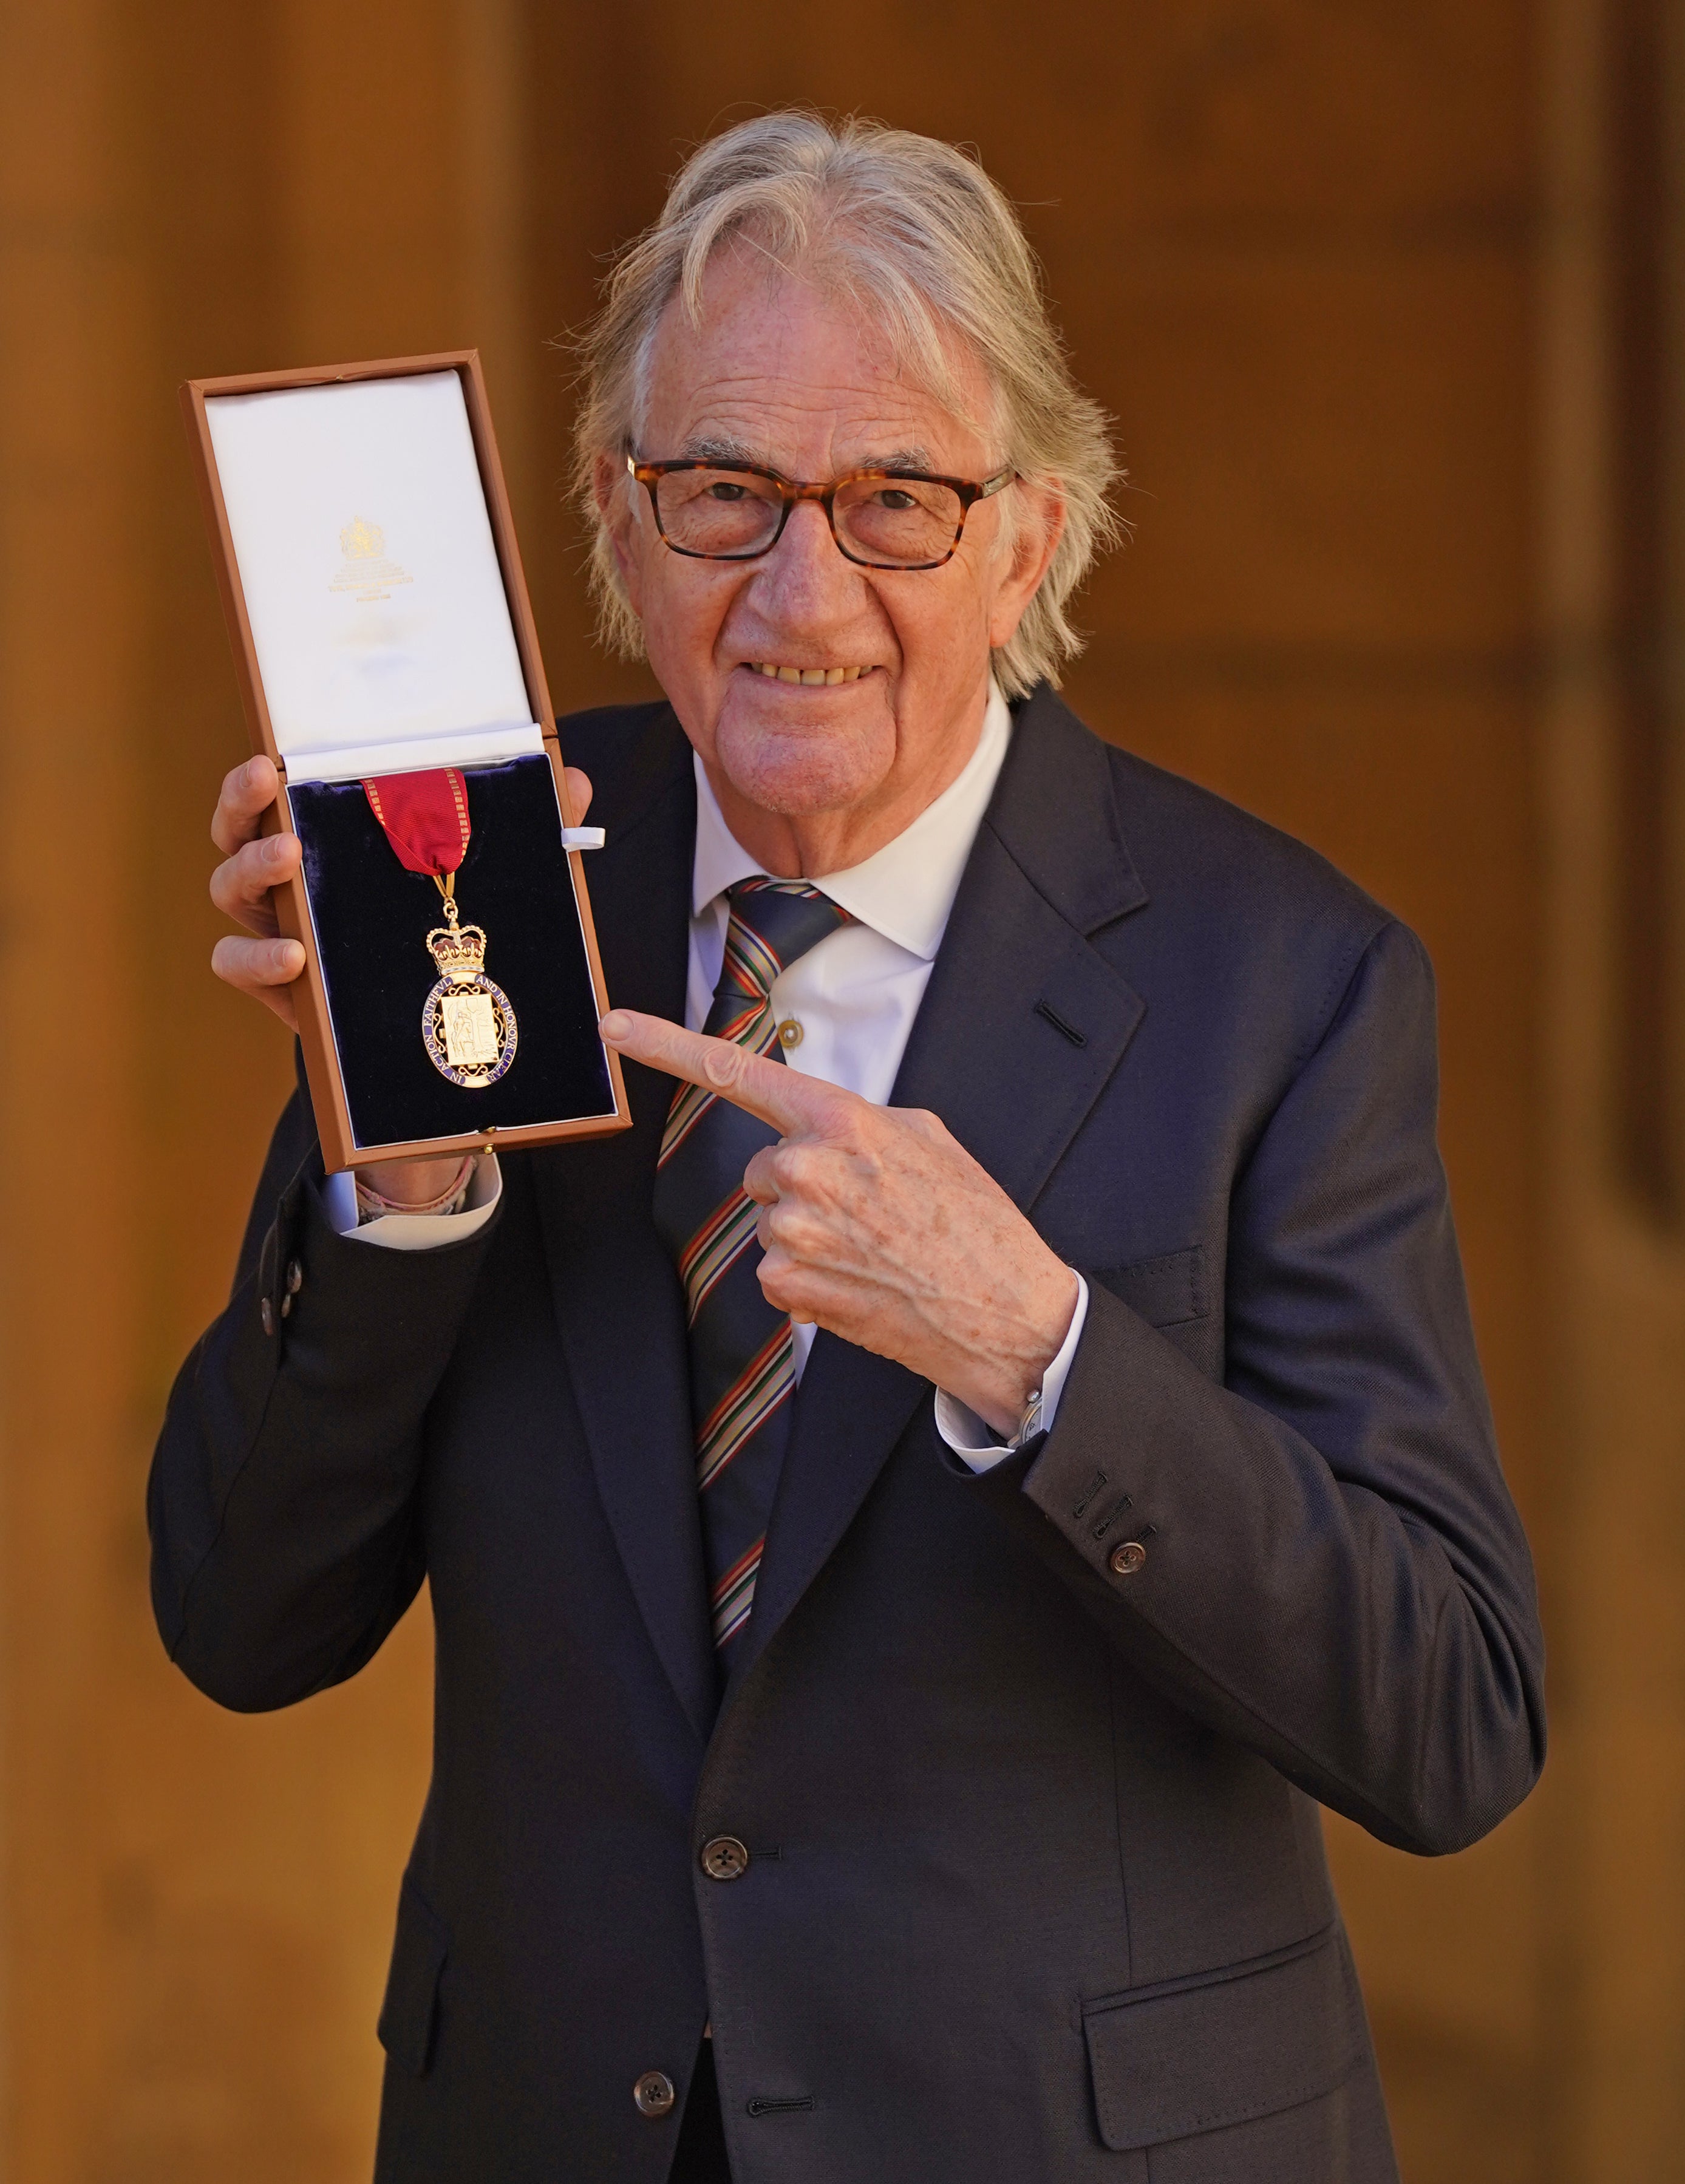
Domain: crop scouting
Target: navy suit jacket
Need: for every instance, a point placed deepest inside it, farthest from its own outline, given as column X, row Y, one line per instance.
column 1036, row 1885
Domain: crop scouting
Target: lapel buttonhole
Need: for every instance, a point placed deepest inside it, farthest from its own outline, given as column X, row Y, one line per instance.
column 1062, row 1025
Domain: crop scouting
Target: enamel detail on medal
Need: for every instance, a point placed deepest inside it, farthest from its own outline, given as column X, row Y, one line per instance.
column 468, row 1025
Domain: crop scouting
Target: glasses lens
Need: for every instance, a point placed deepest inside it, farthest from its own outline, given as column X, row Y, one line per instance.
column 898, row 523
column 717, row 512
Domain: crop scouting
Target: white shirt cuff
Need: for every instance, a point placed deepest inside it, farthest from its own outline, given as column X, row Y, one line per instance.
column 415, row 1232
column 975, row 1443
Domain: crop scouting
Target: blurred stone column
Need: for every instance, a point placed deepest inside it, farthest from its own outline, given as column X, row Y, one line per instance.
column 497, row 181
column 195, row 1910
column 84, row 993
column 1615, row 1563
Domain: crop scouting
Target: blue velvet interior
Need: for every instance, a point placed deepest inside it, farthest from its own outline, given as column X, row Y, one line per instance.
column 372, row 918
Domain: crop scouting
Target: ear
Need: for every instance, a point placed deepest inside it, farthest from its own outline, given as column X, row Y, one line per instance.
column 1040, row 527
column 617, row 506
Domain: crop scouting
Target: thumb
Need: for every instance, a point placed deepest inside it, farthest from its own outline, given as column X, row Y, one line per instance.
column 579, row 791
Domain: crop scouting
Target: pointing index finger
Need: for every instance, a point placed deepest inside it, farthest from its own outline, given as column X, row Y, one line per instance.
column 794, row 1105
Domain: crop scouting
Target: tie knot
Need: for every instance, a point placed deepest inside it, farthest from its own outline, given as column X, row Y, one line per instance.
column 772, row 923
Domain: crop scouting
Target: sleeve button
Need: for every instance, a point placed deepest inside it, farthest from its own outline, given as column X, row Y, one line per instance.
column 724, row 1858
column 1126, row 1560
column 653, row 2094
column 266, row 1314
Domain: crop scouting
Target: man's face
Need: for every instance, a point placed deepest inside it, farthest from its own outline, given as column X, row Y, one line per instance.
column 786, row 377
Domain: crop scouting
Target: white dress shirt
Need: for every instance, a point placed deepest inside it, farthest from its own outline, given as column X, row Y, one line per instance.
column 854, row 995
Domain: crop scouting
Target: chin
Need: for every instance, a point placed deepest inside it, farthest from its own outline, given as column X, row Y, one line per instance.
column 799, row 773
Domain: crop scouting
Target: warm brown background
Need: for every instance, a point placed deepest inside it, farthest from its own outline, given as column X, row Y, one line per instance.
column 1383, row 298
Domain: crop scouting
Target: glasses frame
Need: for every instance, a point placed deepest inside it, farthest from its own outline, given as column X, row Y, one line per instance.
column 792, row 492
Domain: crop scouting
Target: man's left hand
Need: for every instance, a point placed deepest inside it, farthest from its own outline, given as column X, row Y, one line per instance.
column 877, row 1225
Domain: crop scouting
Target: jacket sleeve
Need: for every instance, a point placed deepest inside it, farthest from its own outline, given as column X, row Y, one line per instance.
column 283, row 1499
column 1334, row 1573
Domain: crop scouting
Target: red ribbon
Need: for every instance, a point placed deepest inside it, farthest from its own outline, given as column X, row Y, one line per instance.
column 425, row 816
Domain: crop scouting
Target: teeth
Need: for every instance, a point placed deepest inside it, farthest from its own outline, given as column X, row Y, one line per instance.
column 812, row 677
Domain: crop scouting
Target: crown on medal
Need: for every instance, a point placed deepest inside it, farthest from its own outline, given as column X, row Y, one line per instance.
column 458, row 951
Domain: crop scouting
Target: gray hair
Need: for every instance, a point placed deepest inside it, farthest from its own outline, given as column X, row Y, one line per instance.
column 917, row 228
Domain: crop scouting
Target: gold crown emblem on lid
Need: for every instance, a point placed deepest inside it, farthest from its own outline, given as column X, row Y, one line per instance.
column 458, row 951
column 362, row 542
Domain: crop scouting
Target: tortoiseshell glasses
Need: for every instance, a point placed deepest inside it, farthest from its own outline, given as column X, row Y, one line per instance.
column 880, row 519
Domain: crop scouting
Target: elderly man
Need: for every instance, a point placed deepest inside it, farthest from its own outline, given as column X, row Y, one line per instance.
column 917, row 1525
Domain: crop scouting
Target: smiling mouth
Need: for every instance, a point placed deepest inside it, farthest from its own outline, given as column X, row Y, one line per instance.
column 811, row 678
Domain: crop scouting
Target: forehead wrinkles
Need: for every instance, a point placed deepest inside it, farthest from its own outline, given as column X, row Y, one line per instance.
column 780, row 426
column 883, row 390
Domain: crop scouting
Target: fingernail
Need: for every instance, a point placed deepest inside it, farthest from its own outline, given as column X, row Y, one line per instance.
column 616, row 1024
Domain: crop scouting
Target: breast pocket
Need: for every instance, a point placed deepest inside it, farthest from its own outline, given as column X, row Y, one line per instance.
column 411, row 2005
column 1171, row 1293
column 1192, row 2055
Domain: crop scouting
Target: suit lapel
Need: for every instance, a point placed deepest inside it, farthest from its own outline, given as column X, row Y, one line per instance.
column 1021, row 1028
column 619, row 1309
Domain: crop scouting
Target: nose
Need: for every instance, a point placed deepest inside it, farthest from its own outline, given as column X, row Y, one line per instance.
column 805, row 581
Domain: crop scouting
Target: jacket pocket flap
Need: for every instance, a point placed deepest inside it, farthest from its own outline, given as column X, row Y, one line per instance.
column 1192, row 2055
column 418, row 1955
column 1165, row 1292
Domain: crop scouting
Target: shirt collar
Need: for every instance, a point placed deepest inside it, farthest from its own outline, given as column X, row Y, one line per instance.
column 905, row 889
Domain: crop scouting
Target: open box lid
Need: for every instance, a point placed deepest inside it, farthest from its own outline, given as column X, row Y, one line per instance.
column 371, row 585
column 363, row 546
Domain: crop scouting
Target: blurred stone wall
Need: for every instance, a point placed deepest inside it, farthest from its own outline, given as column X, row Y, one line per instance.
column 1341, row 271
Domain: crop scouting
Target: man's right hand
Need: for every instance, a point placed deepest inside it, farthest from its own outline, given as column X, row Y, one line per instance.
column 266, row 966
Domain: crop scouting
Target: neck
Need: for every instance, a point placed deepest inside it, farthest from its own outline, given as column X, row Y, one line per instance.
column 807, row 844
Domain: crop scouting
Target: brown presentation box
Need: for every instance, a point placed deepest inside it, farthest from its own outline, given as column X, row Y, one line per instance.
column 381, row 626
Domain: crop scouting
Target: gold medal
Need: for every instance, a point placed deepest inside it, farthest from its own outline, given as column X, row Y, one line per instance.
column 467, row 1025
column 467, row 1022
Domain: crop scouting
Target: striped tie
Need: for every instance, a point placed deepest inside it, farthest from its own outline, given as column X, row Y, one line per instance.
column 742, row 1367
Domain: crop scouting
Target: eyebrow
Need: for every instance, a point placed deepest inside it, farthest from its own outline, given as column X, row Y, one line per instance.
column 713, row 447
